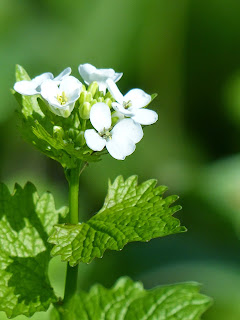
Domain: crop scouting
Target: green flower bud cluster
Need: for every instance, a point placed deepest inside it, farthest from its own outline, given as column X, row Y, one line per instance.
column 89, row 97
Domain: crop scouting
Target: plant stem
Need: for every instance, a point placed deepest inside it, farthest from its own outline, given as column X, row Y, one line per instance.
column 72, row 272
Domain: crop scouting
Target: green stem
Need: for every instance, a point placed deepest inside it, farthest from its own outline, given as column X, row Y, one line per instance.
column 72, row 272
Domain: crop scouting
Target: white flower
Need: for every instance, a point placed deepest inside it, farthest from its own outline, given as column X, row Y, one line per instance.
column 132, row 104
column 61, row 95
column 120, row 141
column 32, row 87
column 89, row 74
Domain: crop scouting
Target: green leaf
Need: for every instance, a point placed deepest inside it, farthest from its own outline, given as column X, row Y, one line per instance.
column 26, row 221
column 37, row 123
column 128, row 300
column 153, row 96
column 130, row 213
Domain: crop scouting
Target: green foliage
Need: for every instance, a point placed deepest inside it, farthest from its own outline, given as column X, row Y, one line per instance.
column 130, row 212
column 128, row 300
column 37, row 124
column 26, row 221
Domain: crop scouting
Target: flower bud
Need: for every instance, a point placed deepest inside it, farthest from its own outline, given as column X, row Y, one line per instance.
column 93, row 102
column 100, row 99
column 84, row 110
column 58, row 132
column 80, row 139
column 98, row 94
column 93, row 88
column 108, row 101
column 82, row 97
column 88, row 97
column 71, row 133
column 76, row 122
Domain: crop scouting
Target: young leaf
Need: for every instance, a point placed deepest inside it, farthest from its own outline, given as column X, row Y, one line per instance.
column 130, row 213
column 26, row 221
column 128, row 300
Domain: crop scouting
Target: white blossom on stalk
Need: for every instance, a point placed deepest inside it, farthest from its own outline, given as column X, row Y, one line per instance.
column 89, row 74
column 132, row 104
column 119, row 141
column 61, row 95
column 32, row 87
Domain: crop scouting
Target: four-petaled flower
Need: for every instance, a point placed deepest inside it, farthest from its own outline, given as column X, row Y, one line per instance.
column 119, row 141
column 61, row 95
column 89, row 74
column 132, row 104
column 32, row 87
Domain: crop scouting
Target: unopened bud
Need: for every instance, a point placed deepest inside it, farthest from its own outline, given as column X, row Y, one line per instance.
column 76, row 121
column 88, row 97
column 71, row 133
column 93, row 102
column 108, row 95
column 84, row 110
column 100, row 99
column 82, row 97
column 58, row 132
column 108, row 101
column 93, row 88
column 98, row 94
column 80, row 140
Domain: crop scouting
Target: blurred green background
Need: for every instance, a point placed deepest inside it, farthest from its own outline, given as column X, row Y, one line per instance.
column 189, row 53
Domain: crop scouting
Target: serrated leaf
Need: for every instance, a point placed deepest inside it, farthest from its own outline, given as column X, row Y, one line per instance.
column 130, row 213
column 128, row 300
column 26, row 221
column 37, row 123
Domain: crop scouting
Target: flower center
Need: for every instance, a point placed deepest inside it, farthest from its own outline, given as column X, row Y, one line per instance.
column 62, row 99
column 106, row 134
column 127, row 104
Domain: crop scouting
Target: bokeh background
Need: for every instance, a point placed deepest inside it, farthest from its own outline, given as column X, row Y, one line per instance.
column 189, row 53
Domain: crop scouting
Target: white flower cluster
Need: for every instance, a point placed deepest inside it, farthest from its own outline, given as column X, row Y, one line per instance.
column 61, row 93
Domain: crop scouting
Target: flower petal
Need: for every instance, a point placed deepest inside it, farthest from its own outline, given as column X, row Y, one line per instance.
column 85, row 71
column 120, row 146
column 138, row 98
column 115, row 92
column 100, row 116
column 128, row 128
column 119, row 108
column 25, row 87
column 32, row 87
column 93, row 140
column 49, row 91
column 72, row 88
column 62, row 111
column 66, row 72
column 145, row 116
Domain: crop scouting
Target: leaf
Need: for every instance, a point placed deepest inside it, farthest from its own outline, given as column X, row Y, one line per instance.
column 26, row 221
column 128, row 300
column 130, row 213
column 37, row 123
column 153, row 96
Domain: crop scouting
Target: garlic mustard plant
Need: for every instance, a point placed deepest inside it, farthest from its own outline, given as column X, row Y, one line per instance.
column 76, row 125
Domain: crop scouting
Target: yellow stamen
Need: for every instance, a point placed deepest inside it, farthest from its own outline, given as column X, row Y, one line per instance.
column 62, row 99
column 127, row 105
